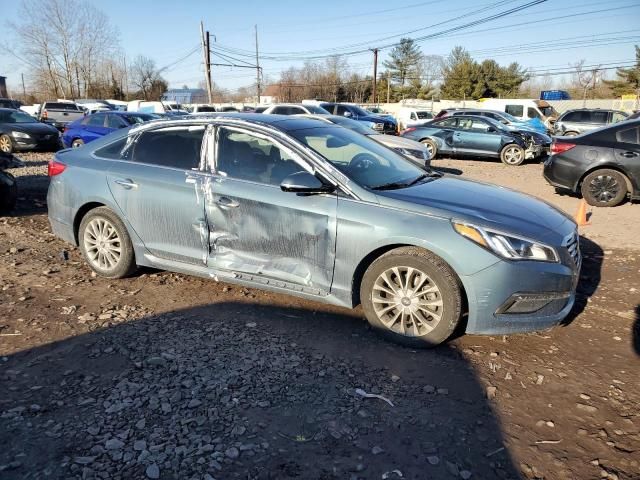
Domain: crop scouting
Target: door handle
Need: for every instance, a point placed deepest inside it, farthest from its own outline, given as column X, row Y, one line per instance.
column 629, row 154
column 227, row 202
column 127, row 183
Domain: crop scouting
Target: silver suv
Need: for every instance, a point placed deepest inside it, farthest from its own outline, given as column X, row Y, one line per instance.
column 575, row 122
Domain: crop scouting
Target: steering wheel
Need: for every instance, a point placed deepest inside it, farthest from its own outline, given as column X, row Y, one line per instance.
column 362, row 161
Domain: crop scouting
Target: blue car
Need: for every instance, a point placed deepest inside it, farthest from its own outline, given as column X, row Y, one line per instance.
column 511, row 122
column 381, row 124
column 296, row 205
column 479, row 137
column 100, row 124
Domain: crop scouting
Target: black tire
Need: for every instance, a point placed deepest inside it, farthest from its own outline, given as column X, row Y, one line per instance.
column 8, row 192
column 126, row 263
column 604, row 188
column 6, row 144
column 512, row 155
column 77, row 143
column 431, row 146
column 438, row 273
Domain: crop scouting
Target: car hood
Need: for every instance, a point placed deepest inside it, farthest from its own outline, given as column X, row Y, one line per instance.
column 395, row 141
column 35, row 128
column 376, row 119
column 482, row 204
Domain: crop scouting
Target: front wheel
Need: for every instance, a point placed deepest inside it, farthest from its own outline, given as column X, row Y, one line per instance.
column 412, row 297
column 105, row 244
column 604, row 188
column 77, row 143
column 6, row 144
column 431, row 147
column 512, row 155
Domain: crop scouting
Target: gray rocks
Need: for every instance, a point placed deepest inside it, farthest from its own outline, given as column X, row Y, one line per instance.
column 114, row 444
column 232, row 453
column 153, row 471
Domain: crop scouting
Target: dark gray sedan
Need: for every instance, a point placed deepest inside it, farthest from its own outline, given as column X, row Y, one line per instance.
column 297, row 206
column 602, row 165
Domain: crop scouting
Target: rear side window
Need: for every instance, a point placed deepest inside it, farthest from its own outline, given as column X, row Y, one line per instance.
column 114, row 121
column 571, row 117
column 515, row 110
column 447, row 122
column 424, row 115
column 171, row 147
column 328, row 107
column 112, row 151
column 630, row 135
column 94, row 120
column 599, row 117
column 341, row 110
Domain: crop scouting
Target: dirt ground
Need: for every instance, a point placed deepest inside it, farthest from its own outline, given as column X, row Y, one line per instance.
column 167, row 376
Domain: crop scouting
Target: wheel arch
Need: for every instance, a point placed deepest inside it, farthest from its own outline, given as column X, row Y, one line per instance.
column 372, row 256
column 631, row 188
column 81, row 213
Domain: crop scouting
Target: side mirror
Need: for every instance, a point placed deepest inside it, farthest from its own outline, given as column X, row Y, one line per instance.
column 304, row 182
column 491, row 130
column 347, row 114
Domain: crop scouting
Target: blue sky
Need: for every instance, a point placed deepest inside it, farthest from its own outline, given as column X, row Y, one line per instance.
column 546, row 36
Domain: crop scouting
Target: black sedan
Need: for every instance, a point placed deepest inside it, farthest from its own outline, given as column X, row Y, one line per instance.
column 603, row 165
column 19, row 131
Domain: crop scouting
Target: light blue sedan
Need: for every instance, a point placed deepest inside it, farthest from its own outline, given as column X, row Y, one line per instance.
column 297, row 206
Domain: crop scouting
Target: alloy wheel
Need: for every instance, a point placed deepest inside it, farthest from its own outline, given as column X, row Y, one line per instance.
column 407, row 301
column 513, row 155
column 102, row 244
column 5, row 144
column 429, row 147
column 604, row 188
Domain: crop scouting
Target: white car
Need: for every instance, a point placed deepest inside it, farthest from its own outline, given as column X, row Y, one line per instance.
column 295, row 109
column 414, row 151
column 413, row 117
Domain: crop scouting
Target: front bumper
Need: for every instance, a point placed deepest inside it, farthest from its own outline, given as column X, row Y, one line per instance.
column 492, row 291
column 537, row 150
column 24, row 144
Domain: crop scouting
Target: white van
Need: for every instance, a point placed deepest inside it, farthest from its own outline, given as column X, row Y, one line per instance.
column 525, row 109
column 413, row 117
column 145, row 106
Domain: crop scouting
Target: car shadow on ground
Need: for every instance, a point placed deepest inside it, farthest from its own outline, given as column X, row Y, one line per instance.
column 245, row 390
column 590, row 276
column 448, row 170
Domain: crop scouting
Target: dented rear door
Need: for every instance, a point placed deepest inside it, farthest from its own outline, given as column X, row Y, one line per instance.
column 259, row 233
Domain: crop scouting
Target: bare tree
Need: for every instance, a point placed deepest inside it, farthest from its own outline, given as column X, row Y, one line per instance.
column 64, row 41
column 586, row 78
column 143, row 74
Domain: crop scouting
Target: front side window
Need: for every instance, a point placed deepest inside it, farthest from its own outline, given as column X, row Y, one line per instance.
column 94, row 121
column 176, row 147
column 473, row 125
column 341, row 110
column 413, row 116
column 114, row 121
column 16, row 117
column 618, row 117
column 363, row 160
column 515, row 110
column 244, row 156
column 532, row 113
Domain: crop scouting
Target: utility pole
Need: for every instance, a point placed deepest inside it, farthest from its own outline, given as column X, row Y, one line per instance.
column 24, row 90
column 389, row 87
column 257, row 66
column 207, row 61
column 375, row 73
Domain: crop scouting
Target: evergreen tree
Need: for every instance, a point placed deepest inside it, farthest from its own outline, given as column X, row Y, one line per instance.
column 460, row 75
column 628, row 81
column 403, row 60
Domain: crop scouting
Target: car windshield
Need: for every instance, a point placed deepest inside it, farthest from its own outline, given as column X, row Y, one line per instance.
column 361, row 112
column 354, row 125
column 365, row 161
column 16, row 117
column 135, row 118
column 317, row 110
column 548, row 111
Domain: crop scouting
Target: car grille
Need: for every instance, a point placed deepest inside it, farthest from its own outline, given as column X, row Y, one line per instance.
column 378, row 126
column 572, row 243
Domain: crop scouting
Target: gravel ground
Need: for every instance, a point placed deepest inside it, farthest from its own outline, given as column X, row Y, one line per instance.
column 167, row 376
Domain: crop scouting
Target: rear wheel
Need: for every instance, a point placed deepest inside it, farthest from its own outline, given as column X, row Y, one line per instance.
column 512, row 154
column 604, row 188
column 412, row 297
column 431, row 147
column 6, row 145
column 105, row 244
column 78, row 142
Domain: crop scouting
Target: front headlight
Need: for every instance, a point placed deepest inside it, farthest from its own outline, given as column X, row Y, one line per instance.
column 20, row 135
column 510, row 247
column 371, row 125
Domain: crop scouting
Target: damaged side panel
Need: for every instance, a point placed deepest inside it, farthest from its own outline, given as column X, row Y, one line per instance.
column 259, row 231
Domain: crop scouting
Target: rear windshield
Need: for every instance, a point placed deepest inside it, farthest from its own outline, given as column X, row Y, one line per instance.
column 61, row 106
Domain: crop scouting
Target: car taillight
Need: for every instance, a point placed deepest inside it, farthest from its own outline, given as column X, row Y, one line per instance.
column 407, row 130
column 55, row 168
column 65, row 129
column 44, row 115
column 561, row 147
